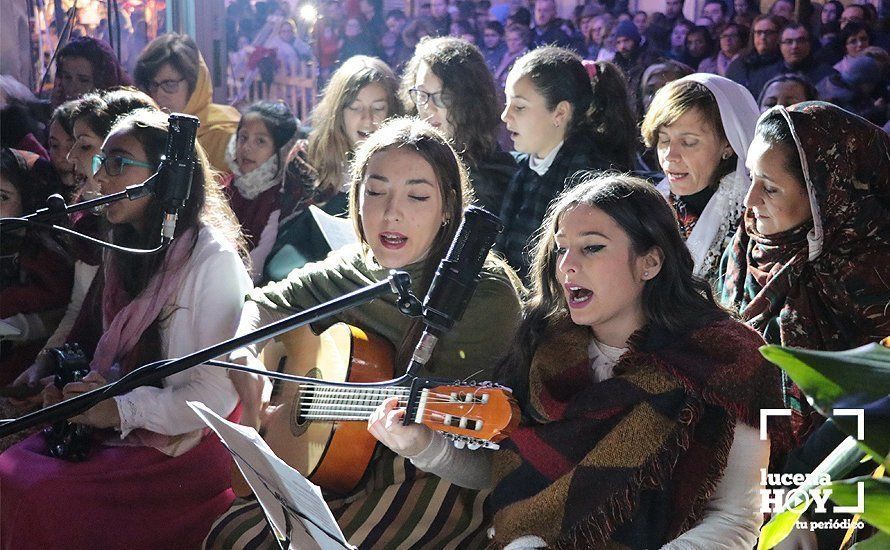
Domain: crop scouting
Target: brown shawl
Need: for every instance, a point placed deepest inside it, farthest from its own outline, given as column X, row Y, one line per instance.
column 630, row 461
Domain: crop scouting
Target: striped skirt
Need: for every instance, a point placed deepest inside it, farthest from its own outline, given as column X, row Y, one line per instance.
column 395, row 506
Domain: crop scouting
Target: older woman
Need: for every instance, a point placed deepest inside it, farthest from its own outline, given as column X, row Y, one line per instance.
column 701, row 127
column 812, row 266
column 172, row 71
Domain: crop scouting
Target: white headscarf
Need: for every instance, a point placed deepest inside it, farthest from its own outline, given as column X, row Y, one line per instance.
column 739, row 114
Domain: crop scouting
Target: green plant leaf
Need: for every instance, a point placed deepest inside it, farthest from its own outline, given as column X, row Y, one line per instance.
column 881, row 541
column 779, row 526
column 843, row 459
column 852, row 379
column 876, row 507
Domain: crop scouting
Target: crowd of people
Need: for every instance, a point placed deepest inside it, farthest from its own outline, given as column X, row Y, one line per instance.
column 671, row 200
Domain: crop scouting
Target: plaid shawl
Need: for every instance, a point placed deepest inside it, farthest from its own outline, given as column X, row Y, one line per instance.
column 630, row 461
column 840, row 299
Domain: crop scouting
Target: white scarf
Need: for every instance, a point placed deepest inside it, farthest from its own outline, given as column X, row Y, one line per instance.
column 717, row 220
column 739, row 114
column 253, row 183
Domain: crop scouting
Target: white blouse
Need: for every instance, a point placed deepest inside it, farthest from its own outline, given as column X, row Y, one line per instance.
column 204, row 311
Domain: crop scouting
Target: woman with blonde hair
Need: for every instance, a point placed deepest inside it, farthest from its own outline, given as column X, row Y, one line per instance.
column 360, row 95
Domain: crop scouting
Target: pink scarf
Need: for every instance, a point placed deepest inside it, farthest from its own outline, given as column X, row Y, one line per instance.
column 129, row 319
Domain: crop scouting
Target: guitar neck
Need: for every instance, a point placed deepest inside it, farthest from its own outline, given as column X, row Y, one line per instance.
column 330, row 403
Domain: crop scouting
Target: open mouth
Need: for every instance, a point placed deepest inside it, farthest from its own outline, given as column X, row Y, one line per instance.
column 393, row 241
column 577, row 296
column 677, row 176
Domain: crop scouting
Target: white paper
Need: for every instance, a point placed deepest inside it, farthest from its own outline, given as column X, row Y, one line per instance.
column 337, row 232
column 278, row 486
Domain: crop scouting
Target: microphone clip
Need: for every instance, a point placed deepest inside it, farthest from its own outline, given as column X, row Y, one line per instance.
column 407, row 302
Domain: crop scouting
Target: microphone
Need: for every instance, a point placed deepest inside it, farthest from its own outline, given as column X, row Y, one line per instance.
column 455, row 280
column 177, row 167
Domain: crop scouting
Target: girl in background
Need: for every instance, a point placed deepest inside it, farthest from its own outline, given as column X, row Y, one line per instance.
column 256, row 155
column 450, row 86
column 36, row 271
column 83, row 65
column 564, row 118
column 361, row 94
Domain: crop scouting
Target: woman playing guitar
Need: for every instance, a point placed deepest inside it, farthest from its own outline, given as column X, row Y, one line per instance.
column 407, row 195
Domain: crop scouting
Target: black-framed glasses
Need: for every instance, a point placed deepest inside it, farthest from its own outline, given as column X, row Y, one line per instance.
column 171, row 86
column 765, row 32
column 420, row 98
column 114, row 165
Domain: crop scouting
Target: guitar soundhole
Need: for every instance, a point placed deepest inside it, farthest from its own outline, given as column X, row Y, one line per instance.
column 298, row 424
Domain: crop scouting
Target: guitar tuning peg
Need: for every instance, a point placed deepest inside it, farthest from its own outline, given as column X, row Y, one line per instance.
column 473, row 445
column 459, row 443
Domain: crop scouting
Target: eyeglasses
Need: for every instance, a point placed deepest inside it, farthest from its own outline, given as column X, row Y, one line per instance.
column 169, row 86
column 420, row 98
column 114, row 166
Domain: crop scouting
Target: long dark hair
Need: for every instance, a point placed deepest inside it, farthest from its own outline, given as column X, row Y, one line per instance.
column 206, row 205
column 601, row 111
column 674, row 302
column 470, row 93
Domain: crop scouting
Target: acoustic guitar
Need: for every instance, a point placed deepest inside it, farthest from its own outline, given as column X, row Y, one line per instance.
column 321, row 430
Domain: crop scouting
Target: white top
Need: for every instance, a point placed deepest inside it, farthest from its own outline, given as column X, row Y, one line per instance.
column 204, row 311
column 732, row 516
column 540, row 166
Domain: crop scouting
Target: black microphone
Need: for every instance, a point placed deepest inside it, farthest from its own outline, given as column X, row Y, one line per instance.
column 456, row 279
column 177, row 167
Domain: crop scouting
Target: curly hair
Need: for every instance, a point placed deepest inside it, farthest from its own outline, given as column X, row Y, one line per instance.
column 470, row 93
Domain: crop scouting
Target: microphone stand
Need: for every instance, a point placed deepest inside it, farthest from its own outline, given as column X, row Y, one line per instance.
column 398, row 283
column 56, row 206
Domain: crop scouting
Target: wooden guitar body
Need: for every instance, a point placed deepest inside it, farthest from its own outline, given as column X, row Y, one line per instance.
column 331, row 454
column 321, row 430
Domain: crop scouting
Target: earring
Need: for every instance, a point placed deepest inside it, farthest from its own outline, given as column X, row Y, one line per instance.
column 645, row 274
column 556, row 124
column 444, row 222
column 725, row 155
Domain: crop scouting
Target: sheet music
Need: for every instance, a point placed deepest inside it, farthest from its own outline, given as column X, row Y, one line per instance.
column 291, row 502
column 337, row 232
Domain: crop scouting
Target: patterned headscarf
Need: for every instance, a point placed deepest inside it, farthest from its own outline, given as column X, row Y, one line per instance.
column 826, row 283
